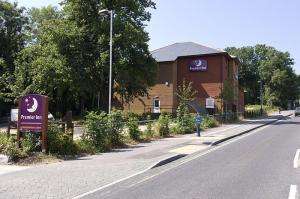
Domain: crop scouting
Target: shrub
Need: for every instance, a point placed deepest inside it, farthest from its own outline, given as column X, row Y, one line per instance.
column 61, row 143
column 97, row 131
column 133, row 127
column 86, row 146
column 115, row 126
column 31, row 142
column 149, row 132
column 184, row 120
column 3, row 142
column 9, row 147
column 163, row 125
column 208, row 122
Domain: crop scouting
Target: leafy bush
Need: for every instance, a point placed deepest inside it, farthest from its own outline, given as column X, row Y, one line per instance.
column 3, row 142
column 86, row 146
column 97, row 131
column 115, row 126
column 133, row 127
column 184, row 120
column 31, row 142
column 149, row 132
column 9, row 147
column 208, row 122
column 163, row 125
column 61, row 143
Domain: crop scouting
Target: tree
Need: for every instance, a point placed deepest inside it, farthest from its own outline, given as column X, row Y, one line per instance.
column 12, row 40
column 72, row 45
column 282, row 88
column 37, row 17
column 272, row 67
column 185, row 93
column 130, row 49
column 248, row 71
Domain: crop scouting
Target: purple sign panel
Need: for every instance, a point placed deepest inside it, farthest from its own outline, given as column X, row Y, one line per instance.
column 198, row 65
column 31, row 113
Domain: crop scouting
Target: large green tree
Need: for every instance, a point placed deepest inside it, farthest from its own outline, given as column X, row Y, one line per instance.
column 273, row 67
column 12, row 40
column 68, row 55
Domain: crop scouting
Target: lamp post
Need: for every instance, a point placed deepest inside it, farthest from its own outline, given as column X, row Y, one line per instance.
column 105, row 11
column 261, row 97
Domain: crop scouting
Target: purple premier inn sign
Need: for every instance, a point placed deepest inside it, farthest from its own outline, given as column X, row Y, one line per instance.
column 198, row 65
column 33, row 115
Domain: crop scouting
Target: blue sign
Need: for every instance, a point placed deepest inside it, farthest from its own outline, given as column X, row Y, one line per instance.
column 198, row 120
column 198, row 65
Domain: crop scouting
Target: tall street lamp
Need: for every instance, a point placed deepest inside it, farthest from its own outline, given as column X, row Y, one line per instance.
column 106, row 12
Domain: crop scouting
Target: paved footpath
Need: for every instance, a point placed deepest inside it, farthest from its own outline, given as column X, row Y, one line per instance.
column 69, row 179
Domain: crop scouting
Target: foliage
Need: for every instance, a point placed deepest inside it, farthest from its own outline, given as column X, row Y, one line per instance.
column 86, row 146
column 133, row 128
column 185, row 94
column 163, row 125
column 37, row 18
column 208, row 122
column 60, row 143
column 184, row 121
column 227, row 92
column 116, row 126
column 12, row 39
column 31, row 142
column 281, row 88
column 9, row 147
column 4, row 141
column 68, row 53
column 149, row 131
column 273, row 67
column 254, row 110
column 97, row 131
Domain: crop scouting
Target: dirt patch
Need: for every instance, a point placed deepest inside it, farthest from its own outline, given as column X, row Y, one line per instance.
column 37, row 159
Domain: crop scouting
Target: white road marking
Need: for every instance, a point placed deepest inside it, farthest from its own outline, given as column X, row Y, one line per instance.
column 172, row 167
column 293, row 192
column 296, row 159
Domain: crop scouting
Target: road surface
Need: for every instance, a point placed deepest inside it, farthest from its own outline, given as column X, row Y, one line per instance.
column 262, row 164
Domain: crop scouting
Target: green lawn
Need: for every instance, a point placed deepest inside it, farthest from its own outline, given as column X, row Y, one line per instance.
column 256, row 107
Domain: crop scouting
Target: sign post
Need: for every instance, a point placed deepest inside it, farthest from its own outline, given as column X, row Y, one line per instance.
column 198, row 123
column 33, row 116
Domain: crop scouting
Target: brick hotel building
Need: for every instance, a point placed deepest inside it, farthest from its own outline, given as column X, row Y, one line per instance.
column 206, row 67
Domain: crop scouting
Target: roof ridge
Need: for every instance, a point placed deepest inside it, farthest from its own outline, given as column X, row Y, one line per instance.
column 205, row 45
column 173, row 51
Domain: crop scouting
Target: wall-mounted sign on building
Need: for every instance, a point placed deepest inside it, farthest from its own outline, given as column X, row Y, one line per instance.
column 198, row 65
column 33, row 115
column 210, row 102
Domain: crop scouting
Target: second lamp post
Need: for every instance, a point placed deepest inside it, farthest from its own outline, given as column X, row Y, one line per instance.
column 111, row 12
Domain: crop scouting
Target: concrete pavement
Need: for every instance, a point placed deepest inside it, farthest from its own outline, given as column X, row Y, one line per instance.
column 76, row 178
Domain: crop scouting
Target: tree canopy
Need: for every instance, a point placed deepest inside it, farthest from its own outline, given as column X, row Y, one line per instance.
column 273, row 67
column 66, row 56
column 12, row 40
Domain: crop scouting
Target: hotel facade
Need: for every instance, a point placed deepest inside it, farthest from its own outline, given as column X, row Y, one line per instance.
column 206, row 67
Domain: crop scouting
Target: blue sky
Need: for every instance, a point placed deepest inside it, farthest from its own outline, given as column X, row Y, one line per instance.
column 222, row 23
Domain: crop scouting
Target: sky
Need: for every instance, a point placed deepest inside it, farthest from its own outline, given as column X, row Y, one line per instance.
column 221, row 23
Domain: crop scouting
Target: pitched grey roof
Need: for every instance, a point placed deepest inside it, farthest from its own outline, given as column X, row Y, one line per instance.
column 171, row 52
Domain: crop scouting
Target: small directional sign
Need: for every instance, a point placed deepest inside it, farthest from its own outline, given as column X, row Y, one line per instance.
column 198, row 120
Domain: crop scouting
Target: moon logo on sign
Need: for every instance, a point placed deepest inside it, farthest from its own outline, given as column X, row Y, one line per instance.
column 198, row 63
column 33, row 107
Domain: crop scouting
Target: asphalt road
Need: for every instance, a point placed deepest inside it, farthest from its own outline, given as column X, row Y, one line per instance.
column 257, row 165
